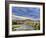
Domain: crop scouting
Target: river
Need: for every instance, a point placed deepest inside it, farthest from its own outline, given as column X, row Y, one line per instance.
column 24, row 27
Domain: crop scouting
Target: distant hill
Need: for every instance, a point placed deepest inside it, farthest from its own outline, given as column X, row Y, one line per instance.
column 14, row 17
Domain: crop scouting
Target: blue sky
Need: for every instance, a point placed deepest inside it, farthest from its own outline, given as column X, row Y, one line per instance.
column 30, row 12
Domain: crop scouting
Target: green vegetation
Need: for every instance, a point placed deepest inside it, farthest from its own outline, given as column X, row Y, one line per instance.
column 15, row 26
column 13, row 29
column 14, row 23
column 34, row 25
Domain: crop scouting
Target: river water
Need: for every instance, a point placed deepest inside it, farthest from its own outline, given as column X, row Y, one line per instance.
column 24, row 27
